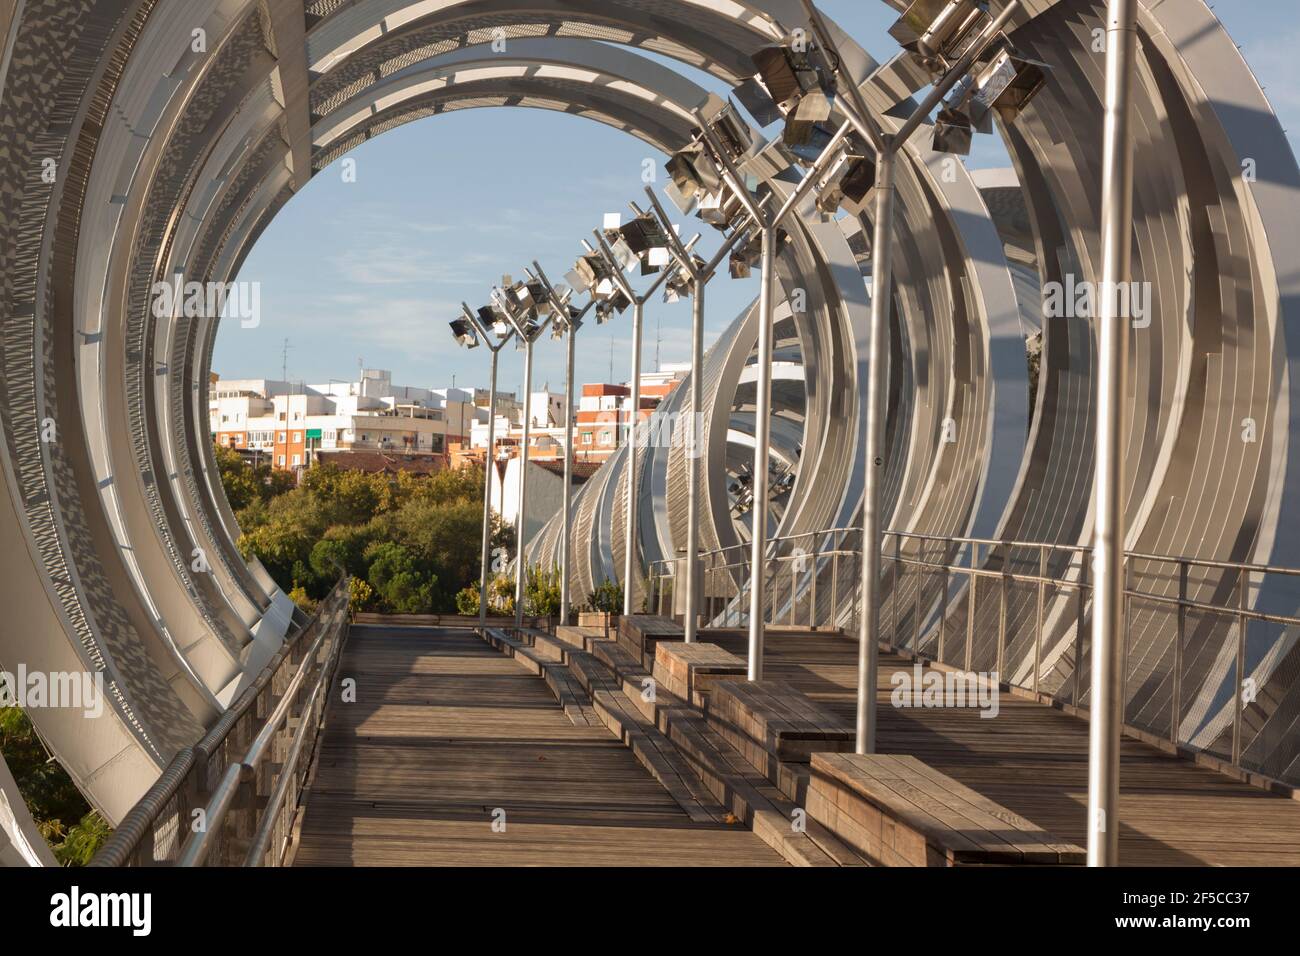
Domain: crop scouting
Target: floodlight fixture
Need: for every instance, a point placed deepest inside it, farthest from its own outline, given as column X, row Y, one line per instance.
column 938, row 32
column 1005, row 86
column 729, row 129
column 589, row 272
column 464, row 333
column 644, row 235
column 848, row 181
column 952, row 133
column 694, row 174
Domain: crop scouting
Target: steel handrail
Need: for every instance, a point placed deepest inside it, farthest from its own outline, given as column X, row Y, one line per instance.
column 198, row 845
column 191, row 761
column 997, row 543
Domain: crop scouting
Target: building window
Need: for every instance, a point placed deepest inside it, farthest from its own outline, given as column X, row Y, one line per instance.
column 281, row 438
column 297, row 436
column 297, row 460
column 280, row 461
column 586, row 438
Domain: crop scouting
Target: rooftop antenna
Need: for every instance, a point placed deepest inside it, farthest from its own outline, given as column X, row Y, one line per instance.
column 611, row 357
column 284, row 362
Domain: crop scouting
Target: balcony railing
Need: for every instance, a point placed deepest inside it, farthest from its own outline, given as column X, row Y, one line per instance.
column 231, row 799
column 1210, row 646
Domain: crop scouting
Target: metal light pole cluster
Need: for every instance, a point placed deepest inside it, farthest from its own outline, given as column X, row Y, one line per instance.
column 976, row 74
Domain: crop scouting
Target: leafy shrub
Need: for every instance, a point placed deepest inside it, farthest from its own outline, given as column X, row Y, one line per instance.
column 542, row 591
column 467, row 600
column 608, row 597
column 361, row 596
column 501, row 595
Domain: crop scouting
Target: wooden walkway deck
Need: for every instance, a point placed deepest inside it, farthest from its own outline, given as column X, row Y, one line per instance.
column 445, row 731
column 1033, row 760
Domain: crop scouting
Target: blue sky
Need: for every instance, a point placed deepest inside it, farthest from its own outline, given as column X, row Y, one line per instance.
column 372, row 270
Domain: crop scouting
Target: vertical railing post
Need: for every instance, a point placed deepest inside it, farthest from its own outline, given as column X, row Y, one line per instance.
column 1176, row 711
column 941, row 651
column 835, row 584
column 916, row 593
column 1082, row 612
column 1002, row 614
column 970, row 605
column 1243, row 604
column 893, row 591
column 812, row 598
column 1039, row 637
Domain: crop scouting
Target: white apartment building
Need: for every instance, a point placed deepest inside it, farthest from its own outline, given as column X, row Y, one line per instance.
column 290, row 422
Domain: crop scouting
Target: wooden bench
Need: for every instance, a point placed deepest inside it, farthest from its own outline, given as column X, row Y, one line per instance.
column 691, row 670
column 641, row 633
column 897, row 811
column 771, row 721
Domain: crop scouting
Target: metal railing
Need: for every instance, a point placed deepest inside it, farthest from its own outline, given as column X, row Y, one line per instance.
column 1202, row 646
column 231, row 799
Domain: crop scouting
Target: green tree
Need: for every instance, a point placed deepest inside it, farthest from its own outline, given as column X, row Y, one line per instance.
column 397, row 579
column 61, row 813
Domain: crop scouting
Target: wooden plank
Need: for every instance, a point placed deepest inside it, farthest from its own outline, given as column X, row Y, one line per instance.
column 1031, row 760
column 446, row 731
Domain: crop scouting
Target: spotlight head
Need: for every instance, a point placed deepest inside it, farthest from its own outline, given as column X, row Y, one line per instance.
column 622, row 252
column 719, row 209
column 643, row 234
column 589, row 271
column 730, row 129
column 694, row 173
column 537, row 293
column 816, row 141
column 801, row 123
column 847, row 182
column 757, row 101
column 937, row 32
column 464, row 333
column 739, row 267
column 1005, row 86
column 787, row 74
column 952, row 133
column 740, row 264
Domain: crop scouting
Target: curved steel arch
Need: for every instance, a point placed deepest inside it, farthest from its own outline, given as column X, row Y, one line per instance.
column 170, row 158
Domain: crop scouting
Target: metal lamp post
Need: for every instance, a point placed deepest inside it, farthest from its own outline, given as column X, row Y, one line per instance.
column 882, row 248
column 699, row 275
column 638, row 313
column 1107, row 711
column 572, row 321
column 528, row 337
column 768, row 224
column 484, row 335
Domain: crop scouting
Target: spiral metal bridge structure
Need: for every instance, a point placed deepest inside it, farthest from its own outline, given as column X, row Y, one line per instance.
column 131, row 154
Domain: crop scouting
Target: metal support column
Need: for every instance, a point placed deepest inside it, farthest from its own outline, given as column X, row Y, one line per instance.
column 520, row 527
column 633, row 459
column 489, row 462
column 882, row 250
column 1106, row 716
column 566, row 544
